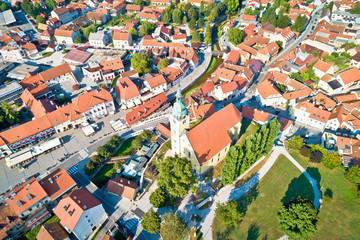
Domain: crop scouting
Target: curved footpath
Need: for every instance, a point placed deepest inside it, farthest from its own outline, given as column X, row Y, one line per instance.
column 227, row 193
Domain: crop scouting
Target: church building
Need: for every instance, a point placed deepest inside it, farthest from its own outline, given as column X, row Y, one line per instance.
column 207, row 143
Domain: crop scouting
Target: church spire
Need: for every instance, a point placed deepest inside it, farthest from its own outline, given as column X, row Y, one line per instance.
column 179, row 110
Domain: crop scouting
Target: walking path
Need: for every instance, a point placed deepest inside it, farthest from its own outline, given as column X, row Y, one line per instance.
column 230, row 192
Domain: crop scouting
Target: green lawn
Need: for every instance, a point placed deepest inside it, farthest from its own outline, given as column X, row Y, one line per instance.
column 260, row 205
column 164, row 149
column 337, row 215
column 103, row 175
column 31, row 235
column 126, row 148
column 247, row 128
column 47, row 54
column 212, row 64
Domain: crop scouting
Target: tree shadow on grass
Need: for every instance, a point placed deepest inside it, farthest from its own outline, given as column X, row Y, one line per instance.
column 314, row 173
column 253, row 232
column 299, row 186
column 328, row 193
column 245, row 200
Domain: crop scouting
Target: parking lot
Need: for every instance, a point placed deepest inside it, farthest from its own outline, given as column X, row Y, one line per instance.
column 102, row 55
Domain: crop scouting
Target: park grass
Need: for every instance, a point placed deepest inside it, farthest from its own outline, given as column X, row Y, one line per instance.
column 126, row 148
column 260, row 204
column 46, row 54
column 212, row 64
column 104, row 174
column 162, row 151
column 248, row 127
column 31, row 235
column 341, row 210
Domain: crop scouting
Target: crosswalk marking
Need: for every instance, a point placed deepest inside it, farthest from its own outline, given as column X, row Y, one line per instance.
column 83, row 153
column 73, row 169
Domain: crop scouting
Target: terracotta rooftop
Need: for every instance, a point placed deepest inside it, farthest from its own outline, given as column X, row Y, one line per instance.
column 126, row 89
column 350, row 76
column 201, row 111
column 52, row 231
column 207, row 140
column 70, row 209
column 122, row 187
column 8, row 220
column 25, row 196
column 57, row 183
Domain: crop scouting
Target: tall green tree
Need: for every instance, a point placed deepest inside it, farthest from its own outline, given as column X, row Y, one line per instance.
column 296, row 142
column 353, row 175
column 192, row 24
column 133, row 33
column 166, row 16
column 274, row 127
column 299, row 24
column 11, row 116
column 232, row 5
column 163, row 63
column 3, row 7
column 173, row 227
column 298, row 219
column 192, row 14
column 151, row 222
column 177, row 16
column 235, row 36
column 158, row 198
column 140, row 63
column 270, row 15
column 175, row 175
column 264, row 131
column 229, row 213
column 214, row 15
column 229, row 172
column 195, row 36
column 283, row 21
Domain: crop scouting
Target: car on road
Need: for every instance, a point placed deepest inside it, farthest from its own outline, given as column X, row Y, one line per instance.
column 312, row 21
column 308, row 35
column 312, row 27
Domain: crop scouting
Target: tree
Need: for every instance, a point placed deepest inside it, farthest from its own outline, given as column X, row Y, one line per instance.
column 175, row 175
column 96, row 160
column 229, row 213
column 280, row 44
column 146, row 28
column 274, row 127
column 195, row 36
column 201, row 22
column 103, row 152
column 214, row 15
column 202, row 8
column 40, row 19
column 235, row 36
column 192, row 14
column 296, row 142
column 163, row 63
column 140, row 63
column 118, row 165
column 185, row 20
column 356, row 8
column 270, row 15
column 283, row 21
column 166, row 16
column 298, row 219
column 331, row 160
column 230, row 171
column 232, row 5
column 51, row 4
column 192, row 24
column 173, row 227
column 133, row 33
column 146, row 134
column 177, row 16
column 79, row 39
column 299, row 24
column 316, row 156
column 89, row 168
column 158, row 198
column 3, row 7
column 151, row 222
column 187, row 7
column 136, row 144
column 353, row 175
column 10, row 115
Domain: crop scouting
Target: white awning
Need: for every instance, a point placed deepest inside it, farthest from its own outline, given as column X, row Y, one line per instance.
column 88, row 130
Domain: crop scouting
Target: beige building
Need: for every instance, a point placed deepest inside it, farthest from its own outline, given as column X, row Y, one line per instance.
column 207, row 143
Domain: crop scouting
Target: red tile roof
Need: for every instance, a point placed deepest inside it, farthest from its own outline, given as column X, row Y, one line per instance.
column 25, row 196
column 256, row 115
column 266, row 89
column 70, row 209
column 52, row 231
column 201, row 111
column 57, row 183
column 122, row 187
column 211, row 135
column 145, row 109
column 164, row 129
column 350, row 76
column 126, row 89
column 8, row 220
column 156, row 81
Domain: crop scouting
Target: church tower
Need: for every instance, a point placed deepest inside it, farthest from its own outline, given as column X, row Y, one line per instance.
column 179, row 122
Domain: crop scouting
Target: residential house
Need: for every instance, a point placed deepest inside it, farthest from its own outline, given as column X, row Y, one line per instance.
column 156, row 84
column 13, row 53
column 321, row 68
column 230, row 89
column 65, row 36
column 179, row 38
column 349, row 77
column 122, row 40
column 132, row 8
column 122, row 187
column 64, row 14
column 99, row 39
column 31, row 50
column 47, row 35
column 52, row 231
column 150, row 15
column 355, row 60
column 128, row 94
column 11, row 224
column 80, row 213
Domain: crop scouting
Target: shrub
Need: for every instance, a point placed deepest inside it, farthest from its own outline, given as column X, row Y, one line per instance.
column 353, row 175
column 331, row 160
column 305, row 151
column 96, row 160
column 296, row 142
column 316, row 156
column 229, row 213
